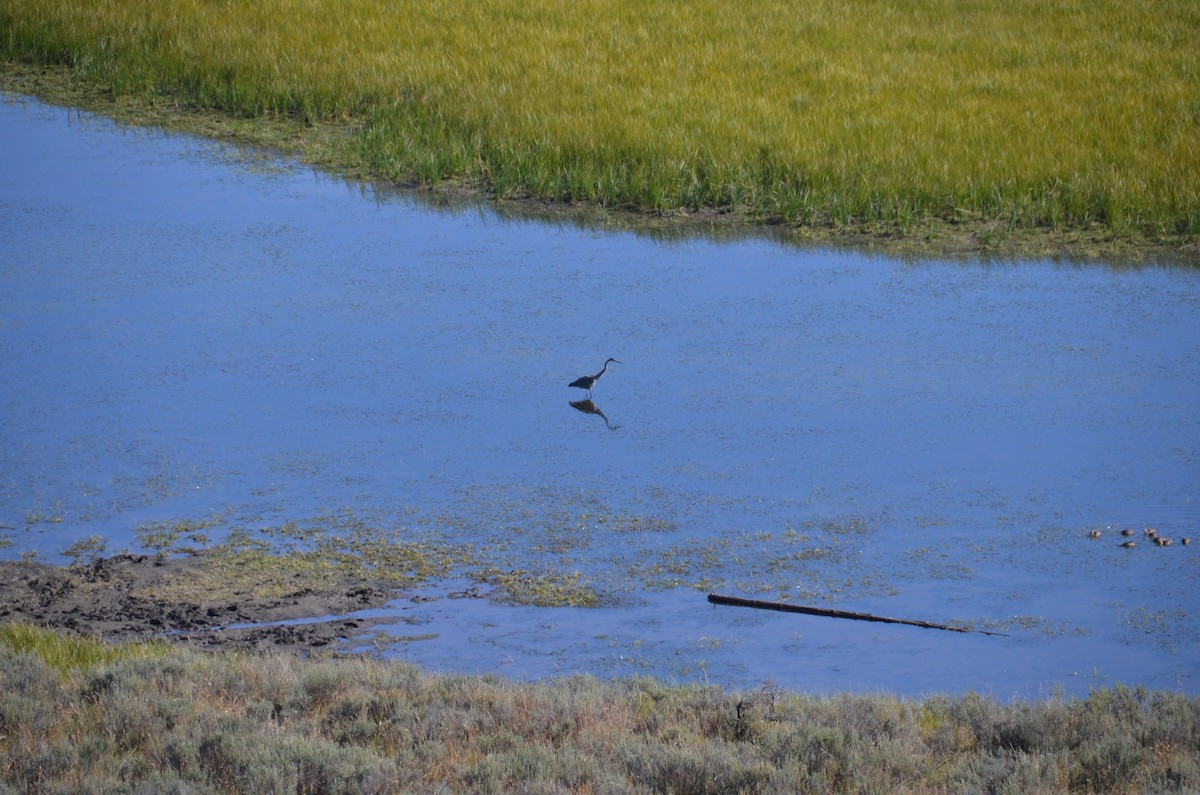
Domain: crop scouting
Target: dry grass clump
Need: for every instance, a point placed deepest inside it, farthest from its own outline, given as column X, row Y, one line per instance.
column 1023, row 113
column 186, row 721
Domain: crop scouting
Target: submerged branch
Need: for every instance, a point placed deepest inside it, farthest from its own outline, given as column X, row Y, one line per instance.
column 733, row 601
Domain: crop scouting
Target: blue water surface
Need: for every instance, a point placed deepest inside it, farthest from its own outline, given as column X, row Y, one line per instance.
column 195, row 331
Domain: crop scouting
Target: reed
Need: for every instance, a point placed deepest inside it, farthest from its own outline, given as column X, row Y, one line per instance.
column 866, row 114
column 186, row 721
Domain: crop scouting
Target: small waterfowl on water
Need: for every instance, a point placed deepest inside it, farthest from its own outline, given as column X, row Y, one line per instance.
column 1185, row 541
column 1129, row 545
column 1128, row 531
column 1151, row 532
column 1094, row 535
column 1163, row 542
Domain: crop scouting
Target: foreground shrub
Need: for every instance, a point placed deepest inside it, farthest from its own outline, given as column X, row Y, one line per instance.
column 184, row 721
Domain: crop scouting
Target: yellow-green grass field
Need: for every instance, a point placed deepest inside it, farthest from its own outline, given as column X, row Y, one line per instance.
column 863, row 115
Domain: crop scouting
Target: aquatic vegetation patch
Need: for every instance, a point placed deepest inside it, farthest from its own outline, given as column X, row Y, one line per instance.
column 86, row 549
column 1167, row 629
column 542, row 588
column 166, row 535
column 39, row 516
column 253, row 566
column 599, row 555
column 1037, row 624
column 939, row 562
column 279, row 560
column 824, row 563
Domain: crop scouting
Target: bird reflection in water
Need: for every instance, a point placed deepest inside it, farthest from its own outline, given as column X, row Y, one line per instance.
column 588, row 407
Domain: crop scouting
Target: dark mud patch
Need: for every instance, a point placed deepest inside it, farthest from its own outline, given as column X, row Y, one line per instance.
column 134, row 597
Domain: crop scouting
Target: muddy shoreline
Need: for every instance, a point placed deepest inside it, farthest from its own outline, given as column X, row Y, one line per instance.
column 125, row 598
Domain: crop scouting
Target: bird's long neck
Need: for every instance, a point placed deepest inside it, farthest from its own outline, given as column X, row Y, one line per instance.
column 602, row 369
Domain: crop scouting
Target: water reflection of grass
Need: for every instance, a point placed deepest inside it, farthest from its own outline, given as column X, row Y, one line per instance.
column 152, row 718
column 993, row 116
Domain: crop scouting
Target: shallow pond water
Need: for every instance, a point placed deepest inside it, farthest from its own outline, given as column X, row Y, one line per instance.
column 191, row 331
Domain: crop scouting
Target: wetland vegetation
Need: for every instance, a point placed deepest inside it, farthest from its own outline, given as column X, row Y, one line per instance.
column 79, row 715
column 525, row 560
column 991, row 127
column 1027, row 127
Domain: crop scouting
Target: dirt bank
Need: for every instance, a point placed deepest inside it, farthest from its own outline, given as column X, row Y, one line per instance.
column 131, row 597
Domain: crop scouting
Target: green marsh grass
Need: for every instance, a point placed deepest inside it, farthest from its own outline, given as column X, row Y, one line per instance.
column 187, row 721
column 998, row 115
column 65, row 653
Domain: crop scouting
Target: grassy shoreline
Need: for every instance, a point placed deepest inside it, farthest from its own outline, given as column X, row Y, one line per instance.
column 931, row 127
column 81, row 715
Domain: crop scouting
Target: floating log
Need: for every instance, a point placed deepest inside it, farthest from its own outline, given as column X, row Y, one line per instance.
column 734, row 601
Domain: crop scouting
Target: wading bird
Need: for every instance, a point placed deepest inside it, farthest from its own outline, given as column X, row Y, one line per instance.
column 589, row 381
